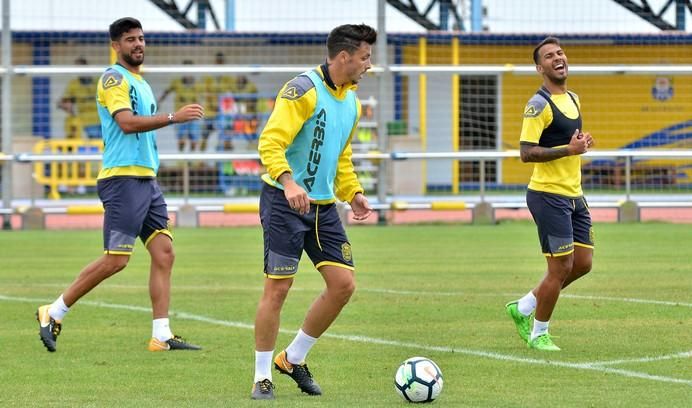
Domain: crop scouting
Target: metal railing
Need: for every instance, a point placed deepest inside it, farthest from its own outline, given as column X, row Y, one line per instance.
column 481, row 156
column 67, row 173
column 482, row 206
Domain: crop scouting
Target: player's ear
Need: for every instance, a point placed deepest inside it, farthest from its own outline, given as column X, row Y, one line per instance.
column 344, row 56
column 539, row 69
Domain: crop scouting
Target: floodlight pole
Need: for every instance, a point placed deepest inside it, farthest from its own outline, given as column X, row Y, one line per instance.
column 230, row 15
column 476, row 16
column 6, row 128
column 680, row 14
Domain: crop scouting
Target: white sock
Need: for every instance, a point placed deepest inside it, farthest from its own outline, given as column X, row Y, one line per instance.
column 161, row 330
column 299, row 347
column 539, row 328
column 58, row 309
column 263, row 365
column 527, row 304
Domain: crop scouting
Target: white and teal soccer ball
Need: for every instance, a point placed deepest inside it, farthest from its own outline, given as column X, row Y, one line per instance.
column 418, row 379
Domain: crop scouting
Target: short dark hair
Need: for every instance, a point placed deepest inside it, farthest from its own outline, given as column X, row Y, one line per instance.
column 348, row 37
column 121, row 26
column 547, row 40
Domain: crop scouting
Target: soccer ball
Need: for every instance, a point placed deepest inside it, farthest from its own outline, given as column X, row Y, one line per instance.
column 418, row 379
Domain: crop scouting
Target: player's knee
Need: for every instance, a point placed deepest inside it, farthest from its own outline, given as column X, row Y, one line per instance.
column 583, row 268
column 344, row 290
column 583, row 262
column 164, row 258
column 115, row 263
column 563, row 275
column 561, row 268
column 348, row 290
column 277, row 290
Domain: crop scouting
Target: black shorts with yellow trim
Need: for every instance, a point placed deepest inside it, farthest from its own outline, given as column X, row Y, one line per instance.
column 134, row 207
column 287, row 234
column 562, row 222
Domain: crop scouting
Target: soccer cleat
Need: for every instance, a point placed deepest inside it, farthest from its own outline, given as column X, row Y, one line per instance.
column 263, row 390
column 174, row 343
column 543, row 342
column 48, row 328
column 299, row 373
column 522, row 322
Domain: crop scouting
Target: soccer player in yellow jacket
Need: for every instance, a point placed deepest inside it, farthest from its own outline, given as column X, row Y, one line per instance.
column 78, row 102
column 306, row 148
column 552, row 138
column 213, row 87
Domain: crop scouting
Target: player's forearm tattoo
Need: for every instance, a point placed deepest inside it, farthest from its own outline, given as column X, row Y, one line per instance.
column 538, row 154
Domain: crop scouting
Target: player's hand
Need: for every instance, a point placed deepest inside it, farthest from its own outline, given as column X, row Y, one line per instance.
column 590, row 142
column 297, row 197
column 578, row 143
column 189, row 112
column 360, row 207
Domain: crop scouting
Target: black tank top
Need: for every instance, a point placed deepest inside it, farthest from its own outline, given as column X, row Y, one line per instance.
column 560, row 130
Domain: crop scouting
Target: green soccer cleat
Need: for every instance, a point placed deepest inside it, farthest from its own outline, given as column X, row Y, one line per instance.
column 263, row 390
column 543, row 342
column 299, row 373
column 522, row 322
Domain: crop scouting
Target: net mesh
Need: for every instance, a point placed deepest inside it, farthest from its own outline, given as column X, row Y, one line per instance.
column 237, row 72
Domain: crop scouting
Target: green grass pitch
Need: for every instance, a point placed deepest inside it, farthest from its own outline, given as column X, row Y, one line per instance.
column 435, row 290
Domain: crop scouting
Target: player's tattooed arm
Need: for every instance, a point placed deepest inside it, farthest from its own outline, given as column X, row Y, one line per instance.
column 531, row 153
column 579, row 143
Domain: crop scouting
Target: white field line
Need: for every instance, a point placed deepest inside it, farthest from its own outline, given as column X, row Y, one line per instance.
column 629, row 300
column 505, row 357
column 684, row 354
column 373, row 340
column 386, row 291
column 511, row 295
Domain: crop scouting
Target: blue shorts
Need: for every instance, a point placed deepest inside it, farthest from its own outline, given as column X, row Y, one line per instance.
column 190, row 130
column 562, row 222
column 134, row 208
column 287, row 233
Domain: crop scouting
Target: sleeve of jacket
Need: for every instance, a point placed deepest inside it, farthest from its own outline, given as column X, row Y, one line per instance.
column 346, row 184
column 291, row 110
